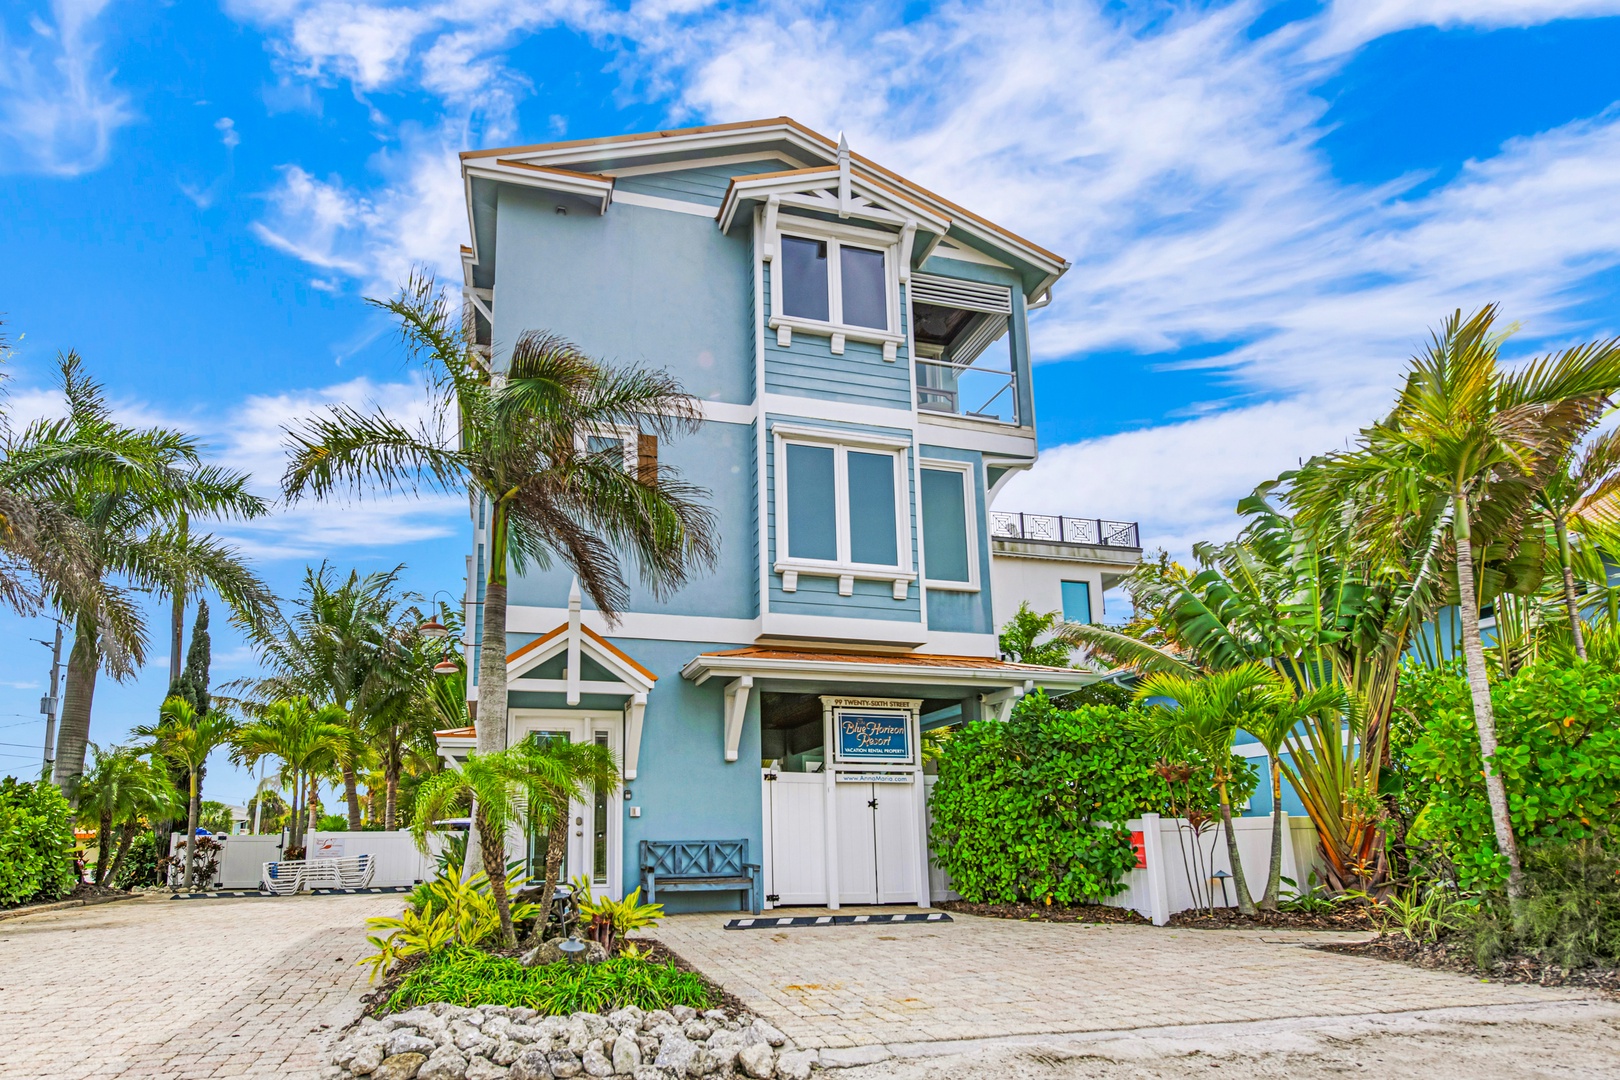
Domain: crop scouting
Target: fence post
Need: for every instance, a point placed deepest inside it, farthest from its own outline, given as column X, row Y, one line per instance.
column 1158, row 886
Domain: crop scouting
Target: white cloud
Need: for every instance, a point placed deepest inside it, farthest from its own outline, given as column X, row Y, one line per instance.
column 1351, row 23
column 228, row 133
column 58, row 107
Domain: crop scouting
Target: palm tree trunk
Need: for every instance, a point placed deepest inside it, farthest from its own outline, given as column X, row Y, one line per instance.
column 292, row 810
column 193, row 807
column 1576, row 631
column 103, row 845
column 177, row 615
column 125, row 841
column 1240, row 884
column 77, row 692
column 492, row 840
column 490, row 722
column 352, row 794
column 1480, row 690
column 391, row 787
column 1274, row 876
column 556, row 850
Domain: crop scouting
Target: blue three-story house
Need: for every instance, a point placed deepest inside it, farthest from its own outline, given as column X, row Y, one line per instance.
column 860, row 346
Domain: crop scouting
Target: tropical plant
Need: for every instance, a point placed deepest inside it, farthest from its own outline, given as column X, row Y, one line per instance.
column 1205, row 713
column 186, row 738
column 609, row 922
column 565, row 773
column 462, row 976
column 36, row 842
column 125, row 489
column 521, row 444
column 441, row 913
column 509, row 787
column 120, row 791
column 1029, row 637
column 1278, row 718
column 1473, row 444
column 307, row 742
column 1584, row 492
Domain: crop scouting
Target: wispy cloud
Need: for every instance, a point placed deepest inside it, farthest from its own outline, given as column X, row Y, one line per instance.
column 58, row 106
column 1350, row 23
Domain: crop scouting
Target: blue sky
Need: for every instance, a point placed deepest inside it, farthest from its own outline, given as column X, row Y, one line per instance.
column 1265, row 205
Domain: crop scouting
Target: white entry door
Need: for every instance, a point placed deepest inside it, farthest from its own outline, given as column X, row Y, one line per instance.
column 593, row 823
column 877, row 843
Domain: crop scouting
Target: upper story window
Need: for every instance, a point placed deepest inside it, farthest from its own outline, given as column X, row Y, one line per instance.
column 838, row 281
column 841, row 511
column 950, row 526
column 964, row 357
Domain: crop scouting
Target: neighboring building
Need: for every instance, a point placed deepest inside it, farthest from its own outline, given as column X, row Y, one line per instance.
column 1058, row 563
column 861, row 349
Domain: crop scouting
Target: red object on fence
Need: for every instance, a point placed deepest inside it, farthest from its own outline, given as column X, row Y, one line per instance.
column 1139, row 846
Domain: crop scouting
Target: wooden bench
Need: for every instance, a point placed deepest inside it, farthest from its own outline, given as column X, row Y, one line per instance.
column 699, row 866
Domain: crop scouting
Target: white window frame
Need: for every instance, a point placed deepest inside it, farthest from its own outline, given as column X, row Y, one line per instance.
column 970, row 514
column 628, row 436
column 844, row 568
column 834, row 236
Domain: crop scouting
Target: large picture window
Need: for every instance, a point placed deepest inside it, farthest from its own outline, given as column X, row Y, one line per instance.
column 950, row 539
column 841, row 511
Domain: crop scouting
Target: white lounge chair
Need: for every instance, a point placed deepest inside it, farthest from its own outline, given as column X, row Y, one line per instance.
column 356, row 871
column 282, row 878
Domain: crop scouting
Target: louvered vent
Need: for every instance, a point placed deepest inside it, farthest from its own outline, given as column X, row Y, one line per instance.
column 956, row 293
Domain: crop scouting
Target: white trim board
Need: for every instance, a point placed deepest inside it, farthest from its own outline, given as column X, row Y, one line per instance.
column 658, row 202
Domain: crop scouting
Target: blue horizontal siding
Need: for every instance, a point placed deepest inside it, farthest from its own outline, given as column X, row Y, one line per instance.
column 706, row 185
column 808, row 368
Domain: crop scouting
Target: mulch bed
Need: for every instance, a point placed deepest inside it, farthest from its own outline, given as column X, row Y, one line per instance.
column 1519, row 968
column 1076, row 913
column 83, row 893
column 1342, row 917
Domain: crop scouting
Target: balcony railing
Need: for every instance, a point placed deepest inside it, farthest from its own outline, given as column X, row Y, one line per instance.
column 1064, row 530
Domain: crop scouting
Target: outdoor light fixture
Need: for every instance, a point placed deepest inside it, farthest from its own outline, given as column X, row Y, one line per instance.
column 433, row 628
column 446, row 666
column 1221, row 876
column 573, row 949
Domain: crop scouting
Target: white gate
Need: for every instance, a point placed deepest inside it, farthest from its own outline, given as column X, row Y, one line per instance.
column 877, row 849
column 795, row 838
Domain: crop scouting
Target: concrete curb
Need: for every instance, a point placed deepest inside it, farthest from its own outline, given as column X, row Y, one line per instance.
column 64, row 905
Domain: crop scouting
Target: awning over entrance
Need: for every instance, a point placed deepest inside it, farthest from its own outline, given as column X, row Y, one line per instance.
column 993, row 684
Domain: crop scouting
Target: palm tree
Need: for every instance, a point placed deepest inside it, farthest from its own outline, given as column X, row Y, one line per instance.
column 1473, row 445
column 1280, row 715
column 306, row 740
column 520, row 442
column 509, row 788
column 186, row 738
column 150, row 796
column 573, row 772
column 1584, row 492
column 1205, row 713
column 120, row 789
column 124, row 488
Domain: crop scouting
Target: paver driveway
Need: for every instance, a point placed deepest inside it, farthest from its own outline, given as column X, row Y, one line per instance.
column 982, row 978
column 181, row 989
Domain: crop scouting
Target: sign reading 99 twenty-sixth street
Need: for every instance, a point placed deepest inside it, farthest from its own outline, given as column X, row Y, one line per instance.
column 873, row 735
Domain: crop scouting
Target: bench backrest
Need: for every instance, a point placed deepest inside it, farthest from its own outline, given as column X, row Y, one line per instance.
column 695, row 858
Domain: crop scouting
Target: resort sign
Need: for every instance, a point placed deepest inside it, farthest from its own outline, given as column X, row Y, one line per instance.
column 874, row 735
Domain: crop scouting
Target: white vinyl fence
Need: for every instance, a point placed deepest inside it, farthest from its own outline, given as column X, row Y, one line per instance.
column 1178, row 875
column 398, row 861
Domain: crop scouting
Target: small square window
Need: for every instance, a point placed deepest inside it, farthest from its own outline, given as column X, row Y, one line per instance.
column 1077, row 601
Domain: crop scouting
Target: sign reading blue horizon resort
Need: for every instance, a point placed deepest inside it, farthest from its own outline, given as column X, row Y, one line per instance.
column 877, row 735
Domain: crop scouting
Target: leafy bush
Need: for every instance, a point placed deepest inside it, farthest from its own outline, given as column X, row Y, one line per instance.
column 36, row 843
column 1558, row 730
column 463, row 976
column 141, row 864
column 1572, row 918
column 608, row 921
column 1035, row 809
column 441, row 914
column 332, row 823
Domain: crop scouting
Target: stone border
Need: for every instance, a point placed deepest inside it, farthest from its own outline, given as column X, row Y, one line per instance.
column 63, row 905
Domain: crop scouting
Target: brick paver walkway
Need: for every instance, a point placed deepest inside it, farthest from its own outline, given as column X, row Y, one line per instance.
column 984, row 978
column 182, row 990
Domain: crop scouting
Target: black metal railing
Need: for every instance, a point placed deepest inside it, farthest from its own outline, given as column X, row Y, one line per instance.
column 1064, row 530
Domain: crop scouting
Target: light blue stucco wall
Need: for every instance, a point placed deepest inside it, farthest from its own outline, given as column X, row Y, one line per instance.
column 819, row 595
column 965, row 612
column 720, row 458
column 635, row 285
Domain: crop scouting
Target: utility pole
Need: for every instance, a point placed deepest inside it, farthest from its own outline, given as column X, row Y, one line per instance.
column 47, row 704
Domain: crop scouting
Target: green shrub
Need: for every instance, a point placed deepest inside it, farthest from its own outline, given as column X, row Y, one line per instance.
column 463, row 976
column 1558, row 733
column 36, row 843
column 1572, row 918
column 1035, row 809
column 141, row 864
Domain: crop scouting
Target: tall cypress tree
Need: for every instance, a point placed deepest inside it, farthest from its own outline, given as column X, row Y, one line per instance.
column 193, row 681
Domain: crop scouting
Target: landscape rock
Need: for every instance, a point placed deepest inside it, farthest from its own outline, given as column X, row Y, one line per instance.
column 626, row 1056
column 675, row 1053
column 479, row 1069
column 795, row 1064
column 683, row 1013
column 399, row 1067
column 564, row 1064
column 656, row 1019
column 506, row 1052
column 530, row 1065
column 697, row 1030
column 366, row 1058
column 595, row 1063
column 406, row 1041
column 772, row 1036
column 758, row 1061
column 651, row 1072
column 445, row 1063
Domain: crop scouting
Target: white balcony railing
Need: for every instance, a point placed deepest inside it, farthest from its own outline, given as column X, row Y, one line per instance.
column 1058, row 529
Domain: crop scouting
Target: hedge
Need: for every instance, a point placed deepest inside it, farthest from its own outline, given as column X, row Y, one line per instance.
column 36, row 843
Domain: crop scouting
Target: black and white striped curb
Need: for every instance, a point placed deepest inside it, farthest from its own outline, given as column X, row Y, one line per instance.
column 768, row 923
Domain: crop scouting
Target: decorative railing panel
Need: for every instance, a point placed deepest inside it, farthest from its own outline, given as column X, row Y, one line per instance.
column 1065, row 530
